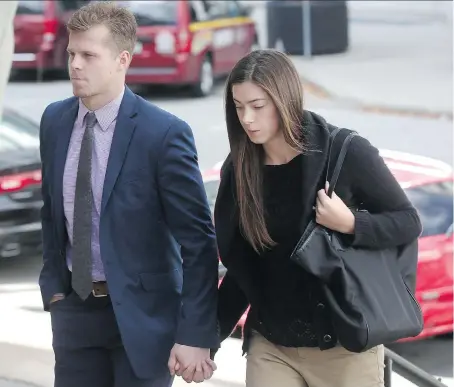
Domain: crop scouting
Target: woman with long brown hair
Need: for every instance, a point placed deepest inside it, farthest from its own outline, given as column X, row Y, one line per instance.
column 272, row 185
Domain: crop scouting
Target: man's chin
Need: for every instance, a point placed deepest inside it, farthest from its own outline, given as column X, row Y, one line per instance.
column 80, row 93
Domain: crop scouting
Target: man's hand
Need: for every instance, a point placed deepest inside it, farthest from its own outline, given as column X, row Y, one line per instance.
column 191, row 363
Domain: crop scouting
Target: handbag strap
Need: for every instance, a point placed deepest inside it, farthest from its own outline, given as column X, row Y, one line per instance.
column 332, row 137
column 340, row 159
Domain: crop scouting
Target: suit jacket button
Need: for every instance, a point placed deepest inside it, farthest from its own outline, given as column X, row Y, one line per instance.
column 62, row 253
column 327, row 338
column 320, row 306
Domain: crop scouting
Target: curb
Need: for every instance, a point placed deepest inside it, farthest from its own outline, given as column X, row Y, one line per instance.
column 322, row 93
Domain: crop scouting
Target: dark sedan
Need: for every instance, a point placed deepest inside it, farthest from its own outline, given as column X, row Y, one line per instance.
column 20, row 186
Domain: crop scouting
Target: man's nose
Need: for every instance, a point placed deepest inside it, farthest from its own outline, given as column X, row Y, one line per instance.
column 75, row 62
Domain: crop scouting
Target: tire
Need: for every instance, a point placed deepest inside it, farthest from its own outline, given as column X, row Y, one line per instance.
column 204, row 87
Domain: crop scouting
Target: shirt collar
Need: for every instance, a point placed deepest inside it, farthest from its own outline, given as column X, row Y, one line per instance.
column 105, row 115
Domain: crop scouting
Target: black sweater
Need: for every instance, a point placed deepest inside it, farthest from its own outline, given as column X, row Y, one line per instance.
column 283, row 298
column 284, row 314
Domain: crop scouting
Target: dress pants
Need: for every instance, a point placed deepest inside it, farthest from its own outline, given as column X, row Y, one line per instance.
column 88, row 347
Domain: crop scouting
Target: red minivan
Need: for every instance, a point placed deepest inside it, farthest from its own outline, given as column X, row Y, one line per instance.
column 189, row 42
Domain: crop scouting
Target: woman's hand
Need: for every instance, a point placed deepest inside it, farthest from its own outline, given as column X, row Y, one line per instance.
column 332, row 213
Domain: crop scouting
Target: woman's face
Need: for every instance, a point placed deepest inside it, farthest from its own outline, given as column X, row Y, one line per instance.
column 256, row 111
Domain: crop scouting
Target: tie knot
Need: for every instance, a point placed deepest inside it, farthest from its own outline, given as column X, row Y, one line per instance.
column 90, row 119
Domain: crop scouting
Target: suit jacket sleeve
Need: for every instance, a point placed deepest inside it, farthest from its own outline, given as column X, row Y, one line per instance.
column 188, row 215
column 49, row 279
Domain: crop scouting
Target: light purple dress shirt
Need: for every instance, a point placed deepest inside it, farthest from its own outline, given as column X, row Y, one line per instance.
column 103, row 134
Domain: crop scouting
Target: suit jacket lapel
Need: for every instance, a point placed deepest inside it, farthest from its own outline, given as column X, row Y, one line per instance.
column 124, row 130
column 63, row 129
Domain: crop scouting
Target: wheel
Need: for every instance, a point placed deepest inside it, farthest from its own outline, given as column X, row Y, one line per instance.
column 205, row 85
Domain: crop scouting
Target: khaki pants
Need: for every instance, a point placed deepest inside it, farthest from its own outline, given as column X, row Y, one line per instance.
column 269, row 365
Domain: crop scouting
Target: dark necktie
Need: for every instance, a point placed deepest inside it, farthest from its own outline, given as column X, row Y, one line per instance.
column 82, row 281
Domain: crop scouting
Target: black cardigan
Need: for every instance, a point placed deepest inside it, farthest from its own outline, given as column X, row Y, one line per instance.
column 389, row 220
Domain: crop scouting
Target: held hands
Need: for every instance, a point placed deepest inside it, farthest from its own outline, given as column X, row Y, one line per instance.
column 191, row 363
column 331, row 212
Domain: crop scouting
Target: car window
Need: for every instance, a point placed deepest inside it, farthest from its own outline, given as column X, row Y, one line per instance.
column 71, row 5
column 217, row 9
column 434, row 203
column 17, row 132
column 30, row 7
column 154, row 12
column 197, row 11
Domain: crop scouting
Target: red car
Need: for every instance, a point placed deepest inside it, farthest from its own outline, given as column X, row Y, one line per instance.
column 429, row 185
column 187, row 42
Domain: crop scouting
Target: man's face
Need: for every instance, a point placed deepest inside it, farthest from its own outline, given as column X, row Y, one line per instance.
column 95, row 65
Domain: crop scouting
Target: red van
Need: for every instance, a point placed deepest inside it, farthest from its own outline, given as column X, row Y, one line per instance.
column 189, row 42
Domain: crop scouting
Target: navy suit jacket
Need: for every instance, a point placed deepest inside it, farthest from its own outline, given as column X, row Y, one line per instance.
column 155, row 229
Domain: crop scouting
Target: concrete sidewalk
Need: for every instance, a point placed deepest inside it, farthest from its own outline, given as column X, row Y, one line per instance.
column 400, row 60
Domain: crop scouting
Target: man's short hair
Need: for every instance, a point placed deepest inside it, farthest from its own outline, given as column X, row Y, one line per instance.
column 119, row 20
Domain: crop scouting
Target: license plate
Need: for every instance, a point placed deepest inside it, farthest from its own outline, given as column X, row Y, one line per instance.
column 138, row 48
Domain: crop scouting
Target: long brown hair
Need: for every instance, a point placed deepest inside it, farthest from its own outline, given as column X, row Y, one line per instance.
column 275, row 73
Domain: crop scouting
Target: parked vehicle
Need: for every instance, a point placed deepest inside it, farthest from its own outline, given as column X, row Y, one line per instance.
column 429, row 185
column 20, row 186
column 189, row 42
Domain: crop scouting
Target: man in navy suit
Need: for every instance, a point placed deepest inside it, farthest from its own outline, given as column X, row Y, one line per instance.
column 125, row 219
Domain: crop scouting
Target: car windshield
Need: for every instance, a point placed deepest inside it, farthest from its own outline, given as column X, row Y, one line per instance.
column 151, row 13
column 435, row 208
column 30, row 7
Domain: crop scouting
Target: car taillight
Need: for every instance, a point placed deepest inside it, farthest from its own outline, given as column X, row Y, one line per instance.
column 17, row 182
column 50, row 32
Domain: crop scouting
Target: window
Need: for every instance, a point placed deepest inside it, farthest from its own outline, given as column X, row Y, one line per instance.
column 30, row 7
column 217, row 9
column 154, row 12
column 434, row 203
column 198, row 11
column 72, row 5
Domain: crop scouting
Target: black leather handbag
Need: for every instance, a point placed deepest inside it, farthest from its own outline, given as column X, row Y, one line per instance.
column 370, row 292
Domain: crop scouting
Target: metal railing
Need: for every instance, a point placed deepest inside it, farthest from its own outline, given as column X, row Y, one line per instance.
column 408, row 370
